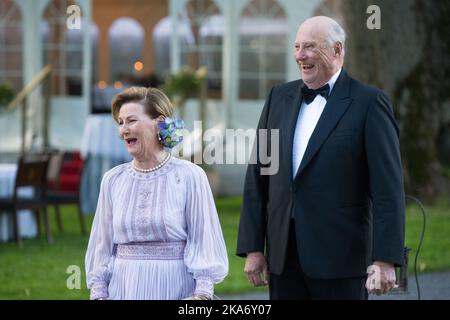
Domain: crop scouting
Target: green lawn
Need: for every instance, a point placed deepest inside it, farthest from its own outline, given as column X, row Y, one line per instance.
column 38, row 270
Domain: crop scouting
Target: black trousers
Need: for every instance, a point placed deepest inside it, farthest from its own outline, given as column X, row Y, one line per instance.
column 293, row 284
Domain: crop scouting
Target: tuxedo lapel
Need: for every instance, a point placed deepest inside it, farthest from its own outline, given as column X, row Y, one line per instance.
column 293, row 103
column 335, row 108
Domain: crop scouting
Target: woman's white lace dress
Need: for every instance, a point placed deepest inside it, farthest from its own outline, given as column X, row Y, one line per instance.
column 155, row 235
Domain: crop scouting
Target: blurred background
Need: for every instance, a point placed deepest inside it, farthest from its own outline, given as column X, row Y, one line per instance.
column 62, row 61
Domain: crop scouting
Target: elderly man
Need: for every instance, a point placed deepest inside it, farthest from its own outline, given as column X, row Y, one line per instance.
column 335, row 208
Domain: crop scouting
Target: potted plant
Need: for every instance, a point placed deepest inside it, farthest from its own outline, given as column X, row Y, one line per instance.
column 190, row 83
column 181, row 86
column 6, row 95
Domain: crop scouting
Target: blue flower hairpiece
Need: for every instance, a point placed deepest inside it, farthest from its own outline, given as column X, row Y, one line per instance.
column 170, row 133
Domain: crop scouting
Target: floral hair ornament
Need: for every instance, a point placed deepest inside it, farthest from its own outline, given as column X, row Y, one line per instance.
column 170, row 132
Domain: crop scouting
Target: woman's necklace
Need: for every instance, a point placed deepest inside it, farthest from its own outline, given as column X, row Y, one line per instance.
column 151, row 169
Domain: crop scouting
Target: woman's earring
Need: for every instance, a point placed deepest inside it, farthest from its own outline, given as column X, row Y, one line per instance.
column 158, row 135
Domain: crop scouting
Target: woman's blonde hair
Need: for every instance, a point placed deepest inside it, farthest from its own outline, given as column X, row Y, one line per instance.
column 155, row 102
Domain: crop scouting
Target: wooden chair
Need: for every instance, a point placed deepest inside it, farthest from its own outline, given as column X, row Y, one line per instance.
column 57, row 194
column 31, row 172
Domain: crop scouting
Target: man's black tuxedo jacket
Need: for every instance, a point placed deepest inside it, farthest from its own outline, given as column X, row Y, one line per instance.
column 347, row 197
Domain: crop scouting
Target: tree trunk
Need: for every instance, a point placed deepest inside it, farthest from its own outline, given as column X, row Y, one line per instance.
column 408, row 59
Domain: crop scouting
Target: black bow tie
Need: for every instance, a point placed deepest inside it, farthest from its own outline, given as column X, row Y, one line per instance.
column 309, row 94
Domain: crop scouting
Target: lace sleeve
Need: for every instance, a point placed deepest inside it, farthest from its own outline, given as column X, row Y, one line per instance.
column 205, row 254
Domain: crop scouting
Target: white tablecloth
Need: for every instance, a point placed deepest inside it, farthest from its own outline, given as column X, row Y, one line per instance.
column 27, row 221
column 102, row 149
column 101, row 138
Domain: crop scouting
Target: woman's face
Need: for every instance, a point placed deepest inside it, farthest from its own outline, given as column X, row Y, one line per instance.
column 138, row 130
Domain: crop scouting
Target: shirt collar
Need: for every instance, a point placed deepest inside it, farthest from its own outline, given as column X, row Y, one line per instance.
column 333, row 79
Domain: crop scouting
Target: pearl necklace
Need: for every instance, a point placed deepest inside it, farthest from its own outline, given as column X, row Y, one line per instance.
column 151, row 169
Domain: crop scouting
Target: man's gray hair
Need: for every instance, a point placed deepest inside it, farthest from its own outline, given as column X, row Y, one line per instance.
column 336, row 34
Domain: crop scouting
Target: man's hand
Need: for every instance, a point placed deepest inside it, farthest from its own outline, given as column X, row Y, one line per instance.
column 256, row 269
column 381, row 278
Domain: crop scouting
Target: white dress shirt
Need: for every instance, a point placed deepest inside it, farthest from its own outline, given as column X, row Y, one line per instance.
column 308, row 117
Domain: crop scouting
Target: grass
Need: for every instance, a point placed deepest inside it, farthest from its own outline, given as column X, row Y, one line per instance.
column 435, row 252
column 38, row 270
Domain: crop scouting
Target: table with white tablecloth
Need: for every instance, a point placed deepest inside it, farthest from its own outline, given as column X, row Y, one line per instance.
column 101, row 149
column 27, row 221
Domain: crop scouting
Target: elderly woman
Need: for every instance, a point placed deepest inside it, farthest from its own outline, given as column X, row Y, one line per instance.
column 156, row 233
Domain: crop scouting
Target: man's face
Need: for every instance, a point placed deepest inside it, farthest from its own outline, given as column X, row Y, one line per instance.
column 315, row 57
